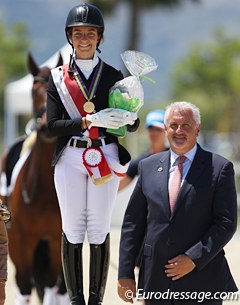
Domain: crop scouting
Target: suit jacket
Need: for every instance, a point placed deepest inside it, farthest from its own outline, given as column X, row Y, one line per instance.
column 202, row 223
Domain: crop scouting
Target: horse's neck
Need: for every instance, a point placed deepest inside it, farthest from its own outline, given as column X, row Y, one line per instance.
column 40, row 160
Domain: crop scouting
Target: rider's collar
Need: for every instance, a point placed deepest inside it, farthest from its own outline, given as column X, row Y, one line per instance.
column 87, row 65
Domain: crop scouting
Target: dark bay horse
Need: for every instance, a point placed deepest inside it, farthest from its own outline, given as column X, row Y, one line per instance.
column 35, row 230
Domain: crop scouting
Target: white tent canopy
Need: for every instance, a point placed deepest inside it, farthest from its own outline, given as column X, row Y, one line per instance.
column 17, row 96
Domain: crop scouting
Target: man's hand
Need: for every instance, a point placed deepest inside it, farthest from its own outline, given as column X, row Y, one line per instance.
column 127, row 289
column 179, row 266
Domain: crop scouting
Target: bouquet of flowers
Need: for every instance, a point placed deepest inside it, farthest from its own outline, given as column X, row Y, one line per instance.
column 128, row 93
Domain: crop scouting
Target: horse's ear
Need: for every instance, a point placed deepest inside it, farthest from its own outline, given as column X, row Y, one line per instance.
column 32, row 66
column 60, row 60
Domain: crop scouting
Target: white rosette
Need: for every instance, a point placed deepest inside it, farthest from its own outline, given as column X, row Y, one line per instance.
column 92, row 157
column 96, row 165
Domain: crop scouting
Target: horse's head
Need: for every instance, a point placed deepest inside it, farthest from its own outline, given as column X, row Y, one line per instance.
column 39, row 92
column 40, row 83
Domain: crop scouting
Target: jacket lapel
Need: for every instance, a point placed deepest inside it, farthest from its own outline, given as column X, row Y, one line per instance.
column 193, row 174
column 162, row 177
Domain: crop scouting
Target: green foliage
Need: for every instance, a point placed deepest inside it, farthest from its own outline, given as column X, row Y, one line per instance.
column 209, row 76
column 13, row 48
column 135, row 8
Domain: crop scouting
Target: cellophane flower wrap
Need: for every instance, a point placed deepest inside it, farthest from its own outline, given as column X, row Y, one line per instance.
column 128, row 93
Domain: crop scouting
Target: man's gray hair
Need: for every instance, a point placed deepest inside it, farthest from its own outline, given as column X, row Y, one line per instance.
column 183, row 105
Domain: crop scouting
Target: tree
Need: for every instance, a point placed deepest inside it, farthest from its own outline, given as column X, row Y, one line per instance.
column 209, row 75
column 136, row 7
column 13, row 48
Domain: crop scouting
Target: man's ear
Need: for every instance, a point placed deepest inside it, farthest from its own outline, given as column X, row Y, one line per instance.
column 198, row 130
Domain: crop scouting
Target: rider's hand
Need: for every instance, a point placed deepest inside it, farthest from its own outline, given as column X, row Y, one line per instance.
column 111, row 118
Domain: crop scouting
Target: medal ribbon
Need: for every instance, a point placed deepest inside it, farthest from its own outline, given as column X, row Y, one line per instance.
column 79, row 95
column 88, row 94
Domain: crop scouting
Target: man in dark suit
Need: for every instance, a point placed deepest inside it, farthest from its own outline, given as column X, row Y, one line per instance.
column 183, row 258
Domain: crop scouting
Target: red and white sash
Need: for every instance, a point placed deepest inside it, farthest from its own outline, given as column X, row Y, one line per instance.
column 73, row 100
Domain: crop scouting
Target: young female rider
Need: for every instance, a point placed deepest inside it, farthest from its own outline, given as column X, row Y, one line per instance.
column 88, row 160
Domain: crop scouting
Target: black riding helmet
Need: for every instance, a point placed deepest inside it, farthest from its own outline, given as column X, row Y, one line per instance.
column 84, row 14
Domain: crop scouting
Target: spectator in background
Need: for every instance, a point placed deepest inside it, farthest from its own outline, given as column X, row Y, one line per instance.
column 155, row 127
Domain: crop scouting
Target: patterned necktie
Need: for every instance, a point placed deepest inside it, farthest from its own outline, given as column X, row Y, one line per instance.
column 176, row 182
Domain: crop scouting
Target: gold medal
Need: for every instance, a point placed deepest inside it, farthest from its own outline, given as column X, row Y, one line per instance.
column 88, row 107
